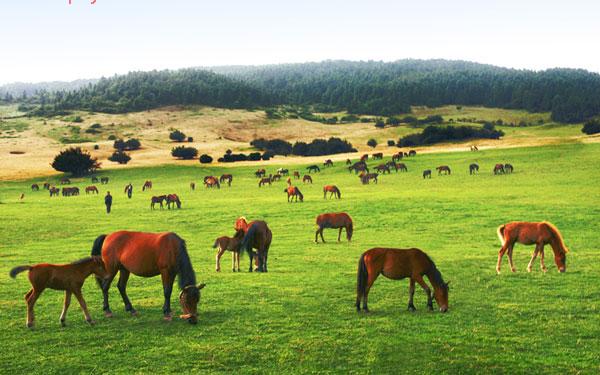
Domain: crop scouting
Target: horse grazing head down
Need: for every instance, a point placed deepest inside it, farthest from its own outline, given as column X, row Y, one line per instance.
column 241, row 223
column 189, row 298
column 441, row 296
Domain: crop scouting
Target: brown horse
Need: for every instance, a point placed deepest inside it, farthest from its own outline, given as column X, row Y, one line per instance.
column 334, row 220
column 293, row 191
column 328, row 163
column 91, row 189
column 257, row 236
column 47, row 185
column 211, row 181
column 348, row 162
column 173, row 199
column 377, row 155
column 35, row 187
column 427, row 173
column 333, row 190
column 226, row 177
column 508, row 168
column 383, row 168
column 306, row 179
column 359, row 166
column 443, row 168
column 401, row 167
column 296, row 175
column 148, row 255
column 147, row 185
column 265, row 180
column 397, row 157
column 365, row 178
column 65, row 181
column 499, row 169
column 232, row 244
column 154, row 200
column 527, row 233
column 260, row 173
column 104, row 180
column 473, row 168
column 364, row 158
column 67, row 277
column 397, row 264
column 54, row 191
column 412, row 153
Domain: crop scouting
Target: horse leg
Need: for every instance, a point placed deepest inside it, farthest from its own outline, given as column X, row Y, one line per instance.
column 500, row 255
column 31, row 297
column 251, row 260
column 122, row 285
column 83, row 305
column 427, row 290
column 105, row 287
column 411, row 295
column 542, row 264
column 218, row 259
column 510, row 259
column 66, row 304
column 533, row 256
column 340, row 234
column 167, row 279
column 370, row 280
column 237, row 259
column 233, row 261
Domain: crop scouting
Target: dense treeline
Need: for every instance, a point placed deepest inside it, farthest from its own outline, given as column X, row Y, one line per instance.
column 436, row 134
column 375, row 88
column 317, row 147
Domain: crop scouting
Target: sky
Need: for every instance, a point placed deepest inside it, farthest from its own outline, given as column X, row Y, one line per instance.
column 47, row 40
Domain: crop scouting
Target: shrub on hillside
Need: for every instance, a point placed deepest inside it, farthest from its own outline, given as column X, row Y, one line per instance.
column 76, row 161
column 591, row 127
column 391, row 142
column 182, row 152
column 177, row 136
column 437, row 134
column 205, row 159
column 120, row 157
column 372, row 143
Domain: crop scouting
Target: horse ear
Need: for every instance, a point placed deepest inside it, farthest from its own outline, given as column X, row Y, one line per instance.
column 200, row 286
column 448, row 283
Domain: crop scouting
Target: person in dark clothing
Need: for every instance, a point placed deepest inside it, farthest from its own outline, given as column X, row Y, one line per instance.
column 129, row 190
column 108, row 201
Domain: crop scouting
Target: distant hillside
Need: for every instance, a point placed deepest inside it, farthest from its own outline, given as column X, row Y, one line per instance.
column 16, row 89
column 370, row 87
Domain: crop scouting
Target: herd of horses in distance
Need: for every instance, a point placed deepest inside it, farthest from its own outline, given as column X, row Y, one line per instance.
column 165, row 254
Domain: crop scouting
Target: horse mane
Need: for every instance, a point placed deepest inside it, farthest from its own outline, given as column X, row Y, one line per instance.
column 434, row 273
column 187, row 276
column 557, row 237
column 83, row 260
column 299, row 193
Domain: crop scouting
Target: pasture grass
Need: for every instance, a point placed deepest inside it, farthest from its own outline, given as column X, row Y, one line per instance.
column 300, row 317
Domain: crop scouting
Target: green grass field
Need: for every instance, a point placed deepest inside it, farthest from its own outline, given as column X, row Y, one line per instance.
column 300, row 317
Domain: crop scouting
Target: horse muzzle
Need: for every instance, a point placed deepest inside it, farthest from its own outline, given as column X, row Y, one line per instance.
column 191, row 318
column 444, row 309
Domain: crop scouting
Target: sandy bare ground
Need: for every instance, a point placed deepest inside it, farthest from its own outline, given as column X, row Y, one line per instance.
column 214, row 131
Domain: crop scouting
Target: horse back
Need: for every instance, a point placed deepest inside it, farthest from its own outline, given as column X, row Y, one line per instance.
column 397, row 264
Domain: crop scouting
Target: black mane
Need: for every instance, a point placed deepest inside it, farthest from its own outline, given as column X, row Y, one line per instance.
column 187, row 276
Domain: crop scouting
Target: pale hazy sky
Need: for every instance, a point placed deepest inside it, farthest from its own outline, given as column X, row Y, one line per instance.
column 43, row 40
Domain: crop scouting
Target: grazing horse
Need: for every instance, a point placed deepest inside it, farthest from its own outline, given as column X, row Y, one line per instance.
column 328, row 163
column 528, row 233
column 359, row 166
column 365, row 178
column 377, row 155
column 226, row 177
column 147, row 185
column 192, row 186
column 283, row 171
column 293, row 191
column 257, row 236
column 333, row 190
column 474, row 148
column 148, row 255
column 104, row 180
column 289, row 181
column 296, row 175
column 65, row 181
column 91, row 189
column 397, row 157
column 70, row 191
column 443, row 168
column 313, row 168
column 348, row 162
column 508, row 168
column 412, row 153
column 159, row 200
column 334, row 220
column 67, row 277
column 382, row 168
column 265, row 180
column 35, row 187
column 401, row 167
column 54, row 191
column 276, row 177
column 427, row 173
column 364, row 158
column 306, row 179
column 94, row 180
column 397, row 264
column 173, row 199
column 260, row 173
column 232, row 244
column 499, row 169
column 47, row 185
column 211, row 181
column 473, row 168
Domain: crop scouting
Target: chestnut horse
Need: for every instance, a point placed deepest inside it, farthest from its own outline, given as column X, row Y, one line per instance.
column 257, row 236
column 397, row 264
column 173, row 199
column 148, row 255
column 147, row 185
column 91, row 189
column 333, row 190
column 527, row 233
column 498, row 168
column 232, row 244
column 328, row 163
column 211, row 181
column 306, row 179
column 226, row 177
column 67, row 277
column 293, row 191
column 443, row 168
column 296, row 175
column 334, row 220
column 154, row 200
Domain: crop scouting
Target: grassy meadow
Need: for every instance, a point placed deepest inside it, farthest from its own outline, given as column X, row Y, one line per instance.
column 300, row 316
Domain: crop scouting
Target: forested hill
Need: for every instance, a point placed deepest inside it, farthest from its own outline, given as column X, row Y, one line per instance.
column 360, row 87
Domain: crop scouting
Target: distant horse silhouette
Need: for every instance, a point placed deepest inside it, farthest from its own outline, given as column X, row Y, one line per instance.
column 94, row 180
column 296, row 174
column 54, row 191
column 397, row 157
column 474, row 148
column 265, row 180
column 257, row 236
column 382, row 168
column 260, row 173
column 104, row 180
column 508, row 168
column 226, row 177
column 289, row 181
column 276, row 177
column 47, row 185
column 333, row 190
column 364, row 158
column 157, row 199
column 293, row 192
column 67, row 277
column 313, row 168
column 65, row 181
column 365, row 178
column 328, row 163
column 499, row 169
column 306, row 179
column 473, row 168
column 35, row 187
column 412, row 153
column 427, row 173
column 397, row 264
column 149, row 255
column 529, row 233
column 334, row 220
column 70, row 191
column 211, row 181
column 91, row 189
column 443, row 168
column 192, row 186
column 359, row 166
column 173, row 199
column 401, row 167
column 283, row 171
column 147, row 185
column 377, row 155
column 232, row 244
column 348, row 162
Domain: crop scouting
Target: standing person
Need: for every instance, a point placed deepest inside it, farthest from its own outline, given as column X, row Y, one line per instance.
column 129, row 190
column 108, row 201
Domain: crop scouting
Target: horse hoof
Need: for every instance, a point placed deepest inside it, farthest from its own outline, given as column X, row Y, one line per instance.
column 29, row 324
column 62, row 323
column 544, row 270
column 90, row 321
column 108, row 314
column 134, row 313
column 167, row 318
column 412, row 309
column 513, row 270
column 528, row 269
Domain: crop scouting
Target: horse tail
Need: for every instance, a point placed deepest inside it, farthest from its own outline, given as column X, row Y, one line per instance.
column 97, row 251
column 361, row 279
column 557, row 236
column 248, row 239
column 17, row 270
column 216, row 244
column 187, row 276
column 500, row 232
column 339, row 193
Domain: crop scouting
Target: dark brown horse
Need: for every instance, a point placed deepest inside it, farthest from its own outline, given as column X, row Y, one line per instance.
column 359, row 166
column 377, row 155
column 293, row 191
column 412, row 153
column 443, row 168
column 47, row 185
column 35, row 187
column 296, row 175
column 313, row 168
column 397, row 264
column 91, row 189
column 173, row 199
column 427, row 173
column 265, row 180
column 65, row 181
column 148, row 255
column 193, row 186
column 365, row 178
column 383, row 168
column 257, row 236
column 499, row 169
column 333, row 190
column 147, row 185
column 211, row 181
column 348, row 162
column 473, row 168
column 397, row 157
column 157, row 199
column 508, row 168
column 306, row 179
column 54, row 191
column 260, row 173
column 67, row 277
column 328, row 163
column 527, row 233
column 232, row 244
column 226, row 177
column 334, row 220
column 401, row 167
column 104, row 180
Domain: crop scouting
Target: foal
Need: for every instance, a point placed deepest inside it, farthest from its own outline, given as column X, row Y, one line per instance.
column 232, row 244
column 67, row 277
